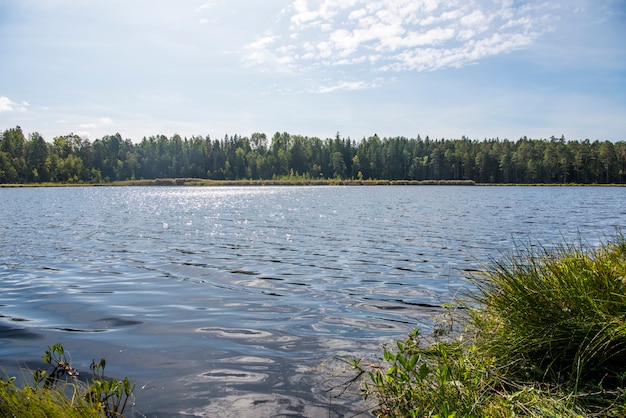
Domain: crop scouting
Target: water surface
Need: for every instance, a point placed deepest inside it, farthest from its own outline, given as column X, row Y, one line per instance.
column 228, row 301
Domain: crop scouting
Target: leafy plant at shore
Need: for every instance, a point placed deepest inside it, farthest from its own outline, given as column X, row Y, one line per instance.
column 544, row 334
column 111, row 394
column 59, row 392
column 419, row 382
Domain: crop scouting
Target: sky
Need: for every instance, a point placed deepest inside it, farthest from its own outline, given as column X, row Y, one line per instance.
column 439, row 68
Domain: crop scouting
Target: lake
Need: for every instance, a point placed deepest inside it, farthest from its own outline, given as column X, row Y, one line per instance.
column 234, row 301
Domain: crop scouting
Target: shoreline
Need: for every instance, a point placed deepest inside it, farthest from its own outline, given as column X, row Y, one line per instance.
column 296, row 182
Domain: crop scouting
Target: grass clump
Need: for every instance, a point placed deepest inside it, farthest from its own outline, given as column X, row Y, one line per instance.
column 29, row 402
column 542, row 334
column 557, row 316
column 58, row 392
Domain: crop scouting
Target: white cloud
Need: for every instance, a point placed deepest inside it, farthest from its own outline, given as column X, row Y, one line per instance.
column 474, row 19
column 206, row 5
column 399, row 35
column 279, row 59
column 98, row 124
column 260, row 45
column 8, row 105
column 347, row 85
column 105, row 121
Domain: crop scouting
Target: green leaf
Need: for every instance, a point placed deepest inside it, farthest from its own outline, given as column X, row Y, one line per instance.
column 414, row 359
column 424, row 370
column 402, row 360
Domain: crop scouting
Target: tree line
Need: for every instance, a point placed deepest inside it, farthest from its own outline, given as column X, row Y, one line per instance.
column 73, row 159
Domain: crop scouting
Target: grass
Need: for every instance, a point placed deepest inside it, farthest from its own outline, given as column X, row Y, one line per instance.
column 558, row 315
column 543, row 334
column 45, row 403
column 58, row 391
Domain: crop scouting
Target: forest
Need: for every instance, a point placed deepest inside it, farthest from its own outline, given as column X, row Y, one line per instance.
column 73, row 159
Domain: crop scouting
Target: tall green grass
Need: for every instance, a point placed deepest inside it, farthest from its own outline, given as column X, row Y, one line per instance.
column 543, row 333
column 556, row 315
column 43, row 403
column 58, row 391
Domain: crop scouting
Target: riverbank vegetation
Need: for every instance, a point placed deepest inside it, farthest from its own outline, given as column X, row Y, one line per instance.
column 71, row 159
column 60, row 392
column 543, row 334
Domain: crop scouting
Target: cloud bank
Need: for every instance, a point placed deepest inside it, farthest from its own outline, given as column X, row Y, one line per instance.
column 390, row 36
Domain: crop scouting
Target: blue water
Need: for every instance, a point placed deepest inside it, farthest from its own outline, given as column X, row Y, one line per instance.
column 230, row 301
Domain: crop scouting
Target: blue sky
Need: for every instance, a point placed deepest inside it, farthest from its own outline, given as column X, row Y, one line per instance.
column 442, row 68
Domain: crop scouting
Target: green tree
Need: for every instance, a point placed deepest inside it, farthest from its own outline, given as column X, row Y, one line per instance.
column 36, row 155
column 608, row 158
column 13, row 167
column 339, row 165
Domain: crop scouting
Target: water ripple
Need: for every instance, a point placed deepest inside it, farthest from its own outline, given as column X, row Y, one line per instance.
column 216, row 300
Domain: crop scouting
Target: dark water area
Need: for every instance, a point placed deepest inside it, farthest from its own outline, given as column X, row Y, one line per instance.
column 233, row 301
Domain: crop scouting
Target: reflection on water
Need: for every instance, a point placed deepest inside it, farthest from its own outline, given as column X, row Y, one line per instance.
column 227, row 301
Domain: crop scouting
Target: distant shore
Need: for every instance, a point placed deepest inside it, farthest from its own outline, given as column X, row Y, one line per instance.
column 294, row 182
column 281, row 182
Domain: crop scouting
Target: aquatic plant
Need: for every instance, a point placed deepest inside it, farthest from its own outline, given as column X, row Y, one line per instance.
column 543, row 334
column 58, row 392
